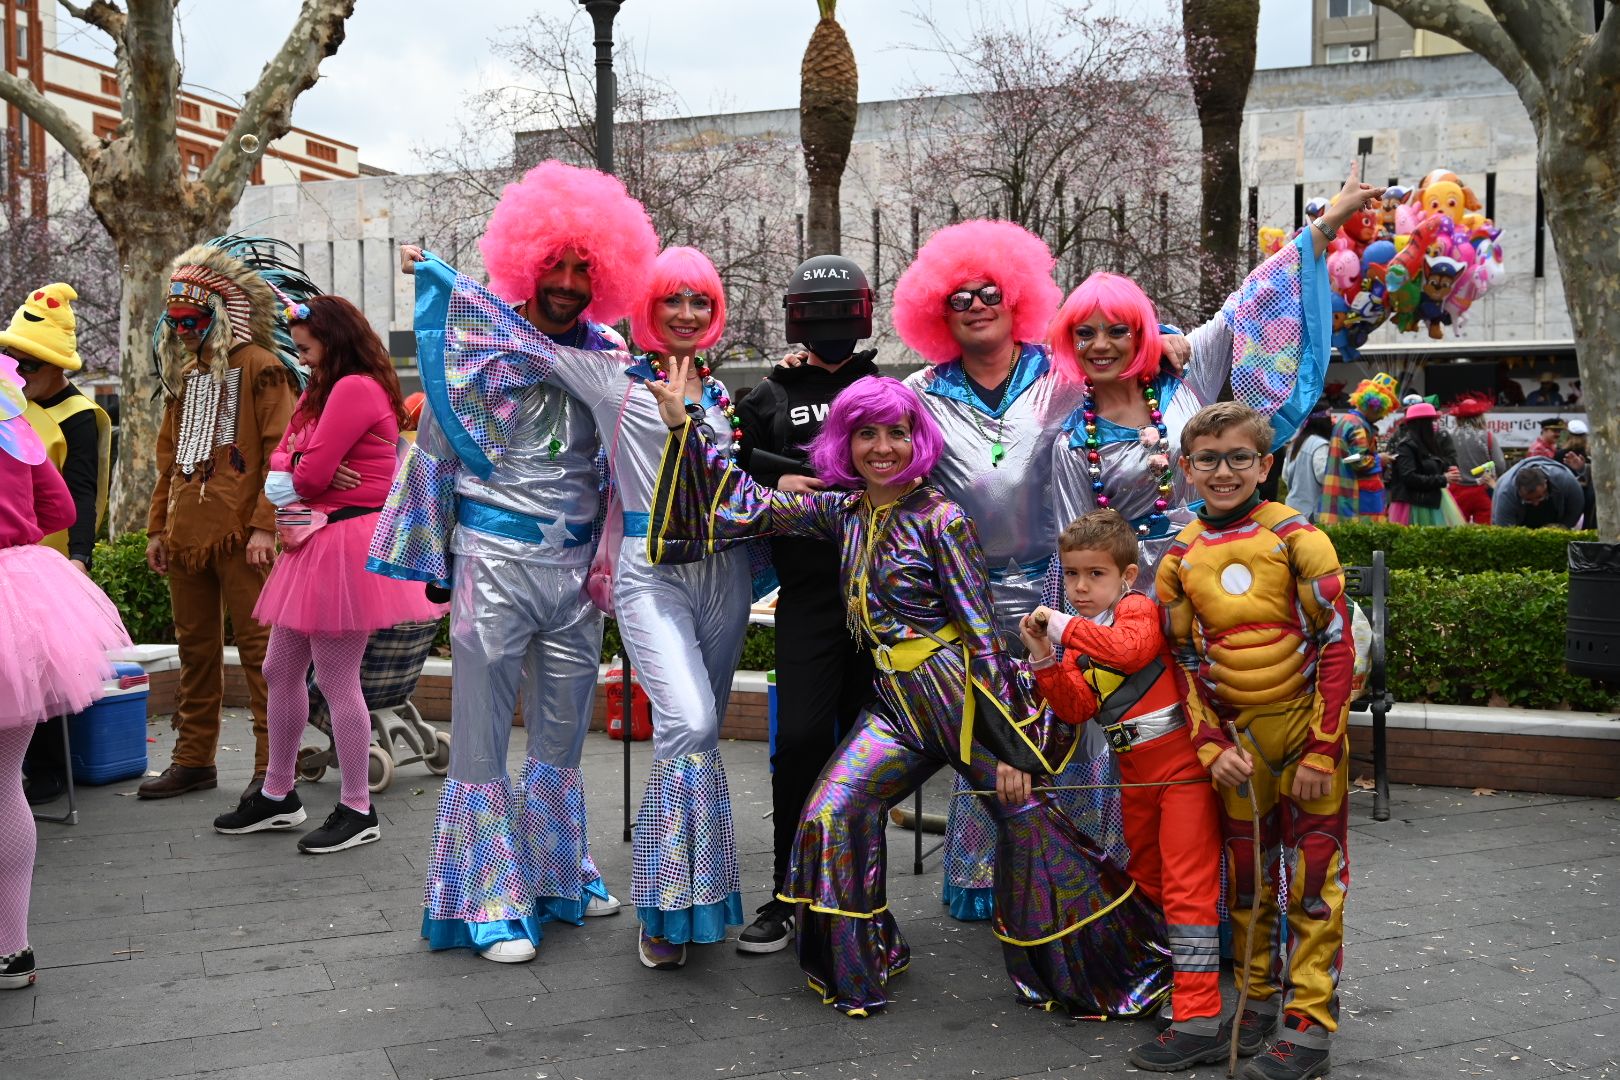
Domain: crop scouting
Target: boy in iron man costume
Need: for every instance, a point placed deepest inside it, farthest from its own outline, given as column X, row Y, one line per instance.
column 1255, row 601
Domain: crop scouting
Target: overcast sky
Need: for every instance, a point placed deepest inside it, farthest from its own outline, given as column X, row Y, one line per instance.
column 407, row 66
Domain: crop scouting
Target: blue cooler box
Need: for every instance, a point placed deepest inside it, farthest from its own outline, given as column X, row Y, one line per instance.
column 109, row 738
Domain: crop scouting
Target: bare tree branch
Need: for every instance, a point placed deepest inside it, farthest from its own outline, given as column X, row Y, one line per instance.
column 1603, row 52
column 1546, row 32
column 110, row 19
column 267, row 111
column 1478, row 32
column 52, row 117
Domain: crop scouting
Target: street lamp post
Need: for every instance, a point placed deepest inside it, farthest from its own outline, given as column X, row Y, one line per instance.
column 603, row 12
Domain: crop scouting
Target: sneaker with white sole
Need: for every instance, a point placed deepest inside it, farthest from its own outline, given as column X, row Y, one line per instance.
column 770, row 931
column 510, row 952
column 655, row 952
column 599, row 907
column 258, row 812
column 344, row 828
column 17, row 970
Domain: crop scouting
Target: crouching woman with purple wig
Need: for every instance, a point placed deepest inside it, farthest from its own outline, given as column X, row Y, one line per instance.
column 1076, row 935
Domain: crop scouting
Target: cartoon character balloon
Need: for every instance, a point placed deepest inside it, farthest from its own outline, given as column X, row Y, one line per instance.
column 1419, row 262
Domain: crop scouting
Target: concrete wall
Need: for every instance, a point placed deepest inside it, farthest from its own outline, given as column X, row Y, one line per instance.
column 1302, row 127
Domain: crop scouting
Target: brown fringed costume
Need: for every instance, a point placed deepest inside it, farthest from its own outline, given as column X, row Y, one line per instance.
column 213, row 451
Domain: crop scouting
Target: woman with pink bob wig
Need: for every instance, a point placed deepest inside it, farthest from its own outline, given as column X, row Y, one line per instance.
column 1271, row 339
column 916, row 591
column 682, row 626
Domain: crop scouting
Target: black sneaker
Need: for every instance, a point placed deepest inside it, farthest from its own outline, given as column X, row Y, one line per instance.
column 1254, row 1032
column 17, row 970
column 770, row 931
column 1290, row 1059
column 257, row 812
column 1174, row 1050
column 344, row 828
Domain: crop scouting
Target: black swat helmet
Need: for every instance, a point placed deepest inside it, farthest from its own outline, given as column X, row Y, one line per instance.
column 828, row 300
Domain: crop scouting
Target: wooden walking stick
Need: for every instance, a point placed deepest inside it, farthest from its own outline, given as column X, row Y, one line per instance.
column 1254, row 913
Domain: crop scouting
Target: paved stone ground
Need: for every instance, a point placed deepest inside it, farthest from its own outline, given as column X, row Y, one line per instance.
column 1482, row 942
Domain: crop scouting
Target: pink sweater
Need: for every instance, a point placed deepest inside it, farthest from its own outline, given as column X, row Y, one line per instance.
column 34, row 502
column 358, row 429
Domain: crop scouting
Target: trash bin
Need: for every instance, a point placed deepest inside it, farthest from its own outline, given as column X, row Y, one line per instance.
column 640, row 705
column 1592, row 628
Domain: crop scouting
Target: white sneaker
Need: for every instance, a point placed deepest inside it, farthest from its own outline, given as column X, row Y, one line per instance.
column 510, row 952
column 599, row 907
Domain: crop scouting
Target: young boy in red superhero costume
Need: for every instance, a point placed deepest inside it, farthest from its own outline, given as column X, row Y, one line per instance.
column 1117, row 670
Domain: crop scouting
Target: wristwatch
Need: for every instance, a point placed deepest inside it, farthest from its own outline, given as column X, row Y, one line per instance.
column 1323, row 229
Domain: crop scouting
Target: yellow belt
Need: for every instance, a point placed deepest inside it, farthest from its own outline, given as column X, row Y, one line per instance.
column 909, row 654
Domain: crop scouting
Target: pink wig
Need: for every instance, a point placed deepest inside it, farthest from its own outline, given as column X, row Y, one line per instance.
column 998, row 251
column 876, row 399
column 675, row 269
column 556, row 207
column 1120, row 299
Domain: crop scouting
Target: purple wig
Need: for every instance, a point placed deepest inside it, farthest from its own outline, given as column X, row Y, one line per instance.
column 997, row 251
column 875, row 399
column 556, row 207
column 1120, row 299
column 675, row 269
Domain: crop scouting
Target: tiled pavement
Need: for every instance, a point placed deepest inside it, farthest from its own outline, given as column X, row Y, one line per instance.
column 1482, row 942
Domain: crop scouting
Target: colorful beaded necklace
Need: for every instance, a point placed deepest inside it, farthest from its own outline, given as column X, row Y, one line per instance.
column 1154, row 438
column 711, row 384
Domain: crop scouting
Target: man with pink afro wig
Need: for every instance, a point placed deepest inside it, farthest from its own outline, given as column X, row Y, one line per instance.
column 570, row 250
column 557, row 210
column 975, row 304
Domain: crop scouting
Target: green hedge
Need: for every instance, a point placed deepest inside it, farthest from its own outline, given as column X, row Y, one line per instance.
column 1467, row 550
column 142, row 597
column 1461, row 637
column 1484, row 639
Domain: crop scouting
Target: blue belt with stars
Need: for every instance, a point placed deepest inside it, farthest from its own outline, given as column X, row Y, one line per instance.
column 525, row 527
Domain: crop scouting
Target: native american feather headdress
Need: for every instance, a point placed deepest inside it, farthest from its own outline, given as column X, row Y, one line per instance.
column 237, row 278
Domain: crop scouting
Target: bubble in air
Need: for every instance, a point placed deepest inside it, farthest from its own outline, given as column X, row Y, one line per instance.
column 126, row 268
column 249, row 143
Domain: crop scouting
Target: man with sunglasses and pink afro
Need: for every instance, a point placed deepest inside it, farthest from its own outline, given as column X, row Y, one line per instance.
column 975, row 304
column 499, row 501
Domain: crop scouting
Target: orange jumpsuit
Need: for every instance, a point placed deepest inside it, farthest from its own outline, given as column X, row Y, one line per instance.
column 1119, row 671
column 1260, row 625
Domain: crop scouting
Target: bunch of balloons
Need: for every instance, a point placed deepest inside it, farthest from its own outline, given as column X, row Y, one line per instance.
column 1418, row 261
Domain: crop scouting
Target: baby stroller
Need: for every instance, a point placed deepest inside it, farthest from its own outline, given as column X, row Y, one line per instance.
column 388, row 675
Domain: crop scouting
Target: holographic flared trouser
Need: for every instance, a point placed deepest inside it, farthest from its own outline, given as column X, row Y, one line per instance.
column 1076, row 932
column 970, row 829
column 504, row 862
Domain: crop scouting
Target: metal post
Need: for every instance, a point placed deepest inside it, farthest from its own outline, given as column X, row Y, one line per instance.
column 625, row 716
column 603, row 12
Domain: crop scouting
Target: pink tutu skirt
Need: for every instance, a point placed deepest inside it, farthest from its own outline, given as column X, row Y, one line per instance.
column 55, row 629
column 323, row 587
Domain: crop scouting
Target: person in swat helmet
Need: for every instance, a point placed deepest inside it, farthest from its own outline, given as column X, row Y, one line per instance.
column 823, row 678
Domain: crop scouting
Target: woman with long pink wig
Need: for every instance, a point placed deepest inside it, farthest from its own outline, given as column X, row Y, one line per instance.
column 916, row 591
column 975, row 304
column 1270, row 340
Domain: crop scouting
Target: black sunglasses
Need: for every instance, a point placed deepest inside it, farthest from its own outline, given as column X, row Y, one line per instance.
column 962, row 299
column 28, row 367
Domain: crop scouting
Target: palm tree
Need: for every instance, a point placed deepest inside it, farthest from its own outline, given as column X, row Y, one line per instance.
column 828, row 83
column 1220, row 42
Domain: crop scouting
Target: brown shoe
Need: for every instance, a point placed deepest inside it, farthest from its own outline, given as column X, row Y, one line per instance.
column 255, row 786
column 177, row 780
